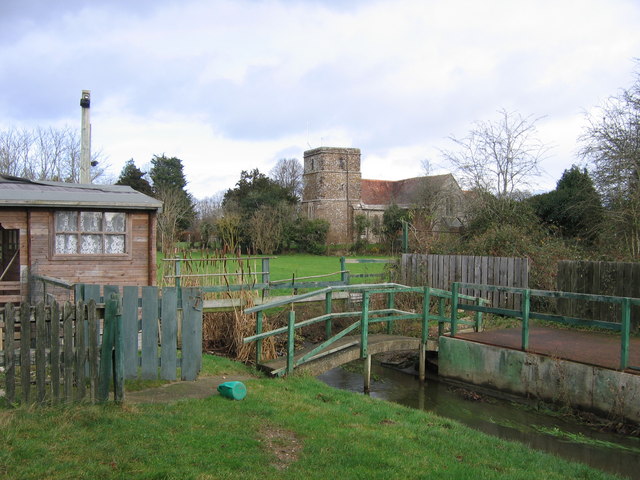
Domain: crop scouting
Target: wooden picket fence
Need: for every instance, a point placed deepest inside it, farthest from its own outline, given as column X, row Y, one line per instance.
column 617, row 279
column 74, row 352
column 440, row 271
column 55, row 345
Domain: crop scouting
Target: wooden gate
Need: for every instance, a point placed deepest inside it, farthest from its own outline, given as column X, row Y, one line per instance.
column 161, row 329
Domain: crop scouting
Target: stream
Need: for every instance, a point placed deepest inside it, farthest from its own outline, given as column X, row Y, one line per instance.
column 560, row 436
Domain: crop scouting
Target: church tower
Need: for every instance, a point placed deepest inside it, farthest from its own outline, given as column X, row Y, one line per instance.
column 332, row 187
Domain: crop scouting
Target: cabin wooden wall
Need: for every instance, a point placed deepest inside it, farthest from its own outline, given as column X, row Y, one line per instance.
column 137, row 267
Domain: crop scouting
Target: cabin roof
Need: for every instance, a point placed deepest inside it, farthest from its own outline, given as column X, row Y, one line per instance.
column 16, row 191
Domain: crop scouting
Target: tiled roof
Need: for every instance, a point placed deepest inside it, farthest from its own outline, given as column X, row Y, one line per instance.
column 401, row 192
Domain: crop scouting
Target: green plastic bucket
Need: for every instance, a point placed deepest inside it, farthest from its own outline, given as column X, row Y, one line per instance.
column 233, row 390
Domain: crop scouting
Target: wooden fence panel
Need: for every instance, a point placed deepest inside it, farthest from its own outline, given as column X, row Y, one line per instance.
column 81, row 338
column 55, row 352
column 149, row 333
column 41, row 343
column 439, row 271
column 45, row 351
column 25, row 351
column 619, row 279
column 9, row 357
column 169, row 334
column 191, row 333
column 151, row 341
column 58, row 349
column 130, row 330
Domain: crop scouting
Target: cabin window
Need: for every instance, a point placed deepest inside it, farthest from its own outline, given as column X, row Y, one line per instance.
column 90, row 233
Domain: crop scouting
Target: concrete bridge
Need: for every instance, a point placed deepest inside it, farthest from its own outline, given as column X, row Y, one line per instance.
column 343, row 351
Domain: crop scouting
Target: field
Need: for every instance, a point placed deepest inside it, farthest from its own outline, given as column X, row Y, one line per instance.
column 290, row 428
column 282, row 267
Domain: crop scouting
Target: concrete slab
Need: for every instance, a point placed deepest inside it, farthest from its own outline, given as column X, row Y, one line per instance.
column 591, row 348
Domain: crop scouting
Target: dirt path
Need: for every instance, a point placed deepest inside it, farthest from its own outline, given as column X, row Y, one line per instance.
column 203, row 387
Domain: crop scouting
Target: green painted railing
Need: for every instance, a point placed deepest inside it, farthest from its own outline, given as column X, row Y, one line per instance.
column 525, row 314
column 365, row 316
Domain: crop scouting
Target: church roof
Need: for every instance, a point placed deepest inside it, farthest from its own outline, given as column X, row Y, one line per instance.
column 400, row 192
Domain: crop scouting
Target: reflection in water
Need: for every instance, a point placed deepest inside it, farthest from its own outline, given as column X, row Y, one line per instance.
column 499, row 418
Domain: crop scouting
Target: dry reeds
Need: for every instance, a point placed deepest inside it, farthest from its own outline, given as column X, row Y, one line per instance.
column 223, row 332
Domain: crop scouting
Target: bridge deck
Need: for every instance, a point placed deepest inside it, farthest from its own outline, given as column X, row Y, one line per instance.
column 343, row 351
column 599, row 349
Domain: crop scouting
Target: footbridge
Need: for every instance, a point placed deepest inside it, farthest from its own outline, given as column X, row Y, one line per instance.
column 369, row 328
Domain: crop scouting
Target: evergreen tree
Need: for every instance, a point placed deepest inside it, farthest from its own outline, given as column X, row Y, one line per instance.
column 574, row 208
column 134, row 177
column 253, row 193
column 169, row 185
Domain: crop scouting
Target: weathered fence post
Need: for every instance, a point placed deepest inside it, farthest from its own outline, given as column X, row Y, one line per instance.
column 191, row 334
column 426, row 304
column 391, row 304
column 111, row 354
column 67, row 332
column 441, row 315
column 454, row 308
column 344, row 276
column 25, row 350
column 81, row 351
column 367, row 374
column 9, row 353
column 259, row 341
column 364, row 326
column 55, row 352
column 478, row 315
column 526, row 303
column 328, row 297
column 625, row 329
column 266, row 276
column 291, row 341
column 41, row 359
column 118, row 353
column 94, row 351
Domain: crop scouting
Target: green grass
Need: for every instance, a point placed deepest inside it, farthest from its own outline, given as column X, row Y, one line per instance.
column 285, row 267
column 328, row 433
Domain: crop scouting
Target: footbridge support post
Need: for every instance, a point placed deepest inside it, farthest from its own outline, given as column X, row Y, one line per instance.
column 367, row 374
column 422, row 354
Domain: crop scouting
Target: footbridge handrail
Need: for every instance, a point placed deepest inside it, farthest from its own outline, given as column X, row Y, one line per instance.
column 525, row 313
column 367, row 317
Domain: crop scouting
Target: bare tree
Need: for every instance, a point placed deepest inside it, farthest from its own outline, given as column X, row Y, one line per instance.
column 267, row 225
column 498, row 157
column 288, row 174
column 45, row 154
column 208, row 211
column 611, row 144
column 174, row 208
column 229, row 230
column 209, row 208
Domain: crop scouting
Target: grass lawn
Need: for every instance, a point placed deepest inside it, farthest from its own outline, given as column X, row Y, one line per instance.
column 284, row 267
column 292, row 428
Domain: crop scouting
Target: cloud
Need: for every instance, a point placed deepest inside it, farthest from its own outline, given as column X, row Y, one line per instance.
column 241, row 82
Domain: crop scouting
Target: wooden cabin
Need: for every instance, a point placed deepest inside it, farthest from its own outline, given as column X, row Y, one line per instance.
column 77, row 233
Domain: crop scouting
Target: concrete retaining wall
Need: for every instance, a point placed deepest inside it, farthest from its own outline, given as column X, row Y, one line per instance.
column 607, row 392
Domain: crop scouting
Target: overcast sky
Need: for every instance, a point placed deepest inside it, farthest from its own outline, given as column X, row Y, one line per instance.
column 233, row 85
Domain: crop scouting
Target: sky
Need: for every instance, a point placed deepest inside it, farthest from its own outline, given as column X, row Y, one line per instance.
column 232, row 85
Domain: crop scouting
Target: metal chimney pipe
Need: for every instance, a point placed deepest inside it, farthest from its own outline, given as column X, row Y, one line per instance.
column 85, row 138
